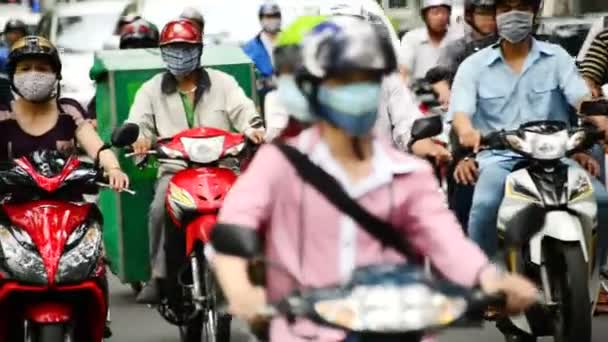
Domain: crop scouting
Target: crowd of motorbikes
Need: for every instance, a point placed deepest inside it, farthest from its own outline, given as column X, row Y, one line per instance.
column 53, row 284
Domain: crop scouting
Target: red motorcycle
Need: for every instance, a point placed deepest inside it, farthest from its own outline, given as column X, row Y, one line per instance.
column 52, row 274
column 212, row 159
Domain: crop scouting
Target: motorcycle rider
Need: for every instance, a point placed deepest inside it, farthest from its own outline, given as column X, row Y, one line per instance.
column 36, row 120
column 345, row 60
column 480, row 17
column 421, row 47
column 185, row 96
column 14, row 30
column 194, row 15
column 517, row 80
column 140, row 34
column 287, row 112
column 594, row 66
column 260, row 49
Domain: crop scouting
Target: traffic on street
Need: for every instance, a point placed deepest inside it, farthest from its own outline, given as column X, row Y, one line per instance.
column 303, row 170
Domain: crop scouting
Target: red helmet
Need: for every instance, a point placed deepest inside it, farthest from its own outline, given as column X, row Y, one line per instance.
column 181, row 31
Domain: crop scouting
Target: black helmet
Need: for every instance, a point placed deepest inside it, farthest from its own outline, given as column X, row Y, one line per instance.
column 33, row 46
column 269, row 9
column 139, row 34
column 15, row 25
column 536, row 4
column 471, row 5
column 124, row 20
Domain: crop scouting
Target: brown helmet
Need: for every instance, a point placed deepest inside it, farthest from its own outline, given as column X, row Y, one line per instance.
column 33, row 46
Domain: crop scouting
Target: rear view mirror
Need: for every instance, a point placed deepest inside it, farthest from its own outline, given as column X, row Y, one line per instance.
column 595, row 107
column 525, row 224
column 427, row 127
column 125, row 135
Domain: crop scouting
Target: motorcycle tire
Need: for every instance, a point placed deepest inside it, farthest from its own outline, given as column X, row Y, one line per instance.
column 51, row 333
column 569, row 278
column 193, row 331
column 520, row 338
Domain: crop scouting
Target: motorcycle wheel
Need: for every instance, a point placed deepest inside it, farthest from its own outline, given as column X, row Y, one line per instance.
column 569, row 278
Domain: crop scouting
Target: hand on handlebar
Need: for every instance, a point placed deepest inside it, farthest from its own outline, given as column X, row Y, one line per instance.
column 427, row 148
column 256, row 135
column 118, row 180
column 520, row 292
column 587, row 162
column 142, row 146
column 249, row 305
column 466, row 171
column 470, row 139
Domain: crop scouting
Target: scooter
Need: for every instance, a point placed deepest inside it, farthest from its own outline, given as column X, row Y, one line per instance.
column 53, row 285
column 560, row 255
column 212, row 160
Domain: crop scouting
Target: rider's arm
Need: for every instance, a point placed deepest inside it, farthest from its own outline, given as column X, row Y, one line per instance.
column 241, row 109
column 401, row 108
column 571, row 83
column 433, row 230
column 407, row 54
column 463, row 102
column 246, row 209
column 142, row 113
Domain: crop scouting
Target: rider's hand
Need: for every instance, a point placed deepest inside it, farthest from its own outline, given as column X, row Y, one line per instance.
column 588, row 163
column 466, row 171
column 601, row 122
column 249, row 305
column 442, row 88
column 142, row 145
column 470, row 138
column 118, row 179
column 520, row 292
column 427, row 148
column 256, row 135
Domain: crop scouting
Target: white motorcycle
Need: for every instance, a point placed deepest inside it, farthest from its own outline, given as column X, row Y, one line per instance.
column 557, row 213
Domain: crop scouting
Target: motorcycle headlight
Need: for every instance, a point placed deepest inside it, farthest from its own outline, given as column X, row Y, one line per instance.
column 391, row 309
column 20, row 256
column 81, row 253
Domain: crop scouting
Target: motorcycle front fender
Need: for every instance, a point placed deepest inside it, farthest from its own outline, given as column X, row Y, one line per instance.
column 561, row 226
column 199, row 230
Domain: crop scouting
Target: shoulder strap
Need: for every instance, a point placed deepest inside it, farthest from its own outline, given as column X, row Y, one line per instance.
column 334, row 193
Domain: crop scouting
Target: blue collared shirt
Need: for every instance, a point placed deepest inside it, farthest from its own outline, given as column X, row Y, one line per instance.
column 496, row 98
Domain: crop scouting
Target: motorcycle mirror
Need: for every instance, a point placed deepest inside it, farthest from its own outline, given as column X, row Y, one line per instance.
column 125, row 135
column 594, row 107
column 427, row 127
column 525, row 224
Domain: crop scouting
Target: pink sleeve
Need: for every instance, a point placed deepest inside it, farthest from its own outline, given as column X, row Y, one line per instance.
column 249, row 202
column 434, row 231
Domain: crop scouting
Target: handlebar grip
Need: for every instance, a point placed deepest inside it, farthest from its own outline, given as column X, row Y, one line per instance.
column 595, row 107
column 480, row 301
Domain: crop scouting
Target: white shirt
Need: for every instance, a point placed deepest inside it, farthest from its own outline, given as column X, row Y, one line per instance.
column 275, row 116
column 268, row 45
column 418, row 54
column 397, row 111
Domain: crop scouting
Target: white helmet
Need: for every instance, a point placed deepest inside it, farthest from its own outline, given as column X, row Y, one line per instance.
column 435, row 3
column 344, row 8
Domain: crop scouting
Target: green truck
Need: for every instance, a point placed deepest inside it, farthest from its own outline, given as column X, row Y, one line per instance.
column 119, row 74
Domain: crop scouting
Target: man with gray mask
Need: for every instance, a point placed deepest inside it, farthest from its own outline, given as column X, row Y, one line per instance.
column 260, row 49
column 185, row 96
column 515, row 81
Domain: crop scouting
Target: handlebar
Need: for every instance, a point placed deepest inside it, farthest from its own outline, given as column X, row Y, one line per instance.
column 108, row 186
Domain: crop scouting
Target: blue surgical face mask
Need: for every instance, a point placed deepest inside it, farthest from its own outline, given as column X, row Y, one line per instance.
column 353, row 107
column 181, row 61
column 292, row 98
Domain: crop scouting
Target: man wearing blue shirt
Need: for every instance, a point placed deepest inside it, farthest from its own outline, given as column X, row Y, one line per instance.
column 515, row 81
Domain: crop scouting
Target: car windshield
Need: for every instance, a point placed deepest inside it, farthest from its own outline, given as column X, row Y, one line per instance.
column 86, row 32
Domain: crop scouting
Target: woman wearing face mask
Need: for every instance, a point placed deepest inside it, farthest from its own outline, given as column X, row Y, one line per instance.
column 287, row 111
column 36, row 120
column 313, row 242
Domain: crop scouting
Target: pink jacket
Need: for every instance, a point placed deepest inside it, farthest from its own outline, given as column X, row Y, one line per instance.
column 306, row 235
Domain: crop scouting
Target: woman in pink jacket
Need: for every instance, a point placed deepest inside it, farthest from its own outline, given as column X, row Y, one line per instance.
column 311, row 240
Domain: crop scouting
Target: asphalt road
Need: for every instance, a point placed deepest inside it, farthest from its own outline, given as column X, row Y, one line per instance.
column 137, row 323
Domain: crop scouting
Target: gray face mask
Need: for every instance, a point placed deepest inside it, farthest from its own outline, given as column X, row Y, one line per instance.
column 181, row 61
column 36, row 86
column 515, row 26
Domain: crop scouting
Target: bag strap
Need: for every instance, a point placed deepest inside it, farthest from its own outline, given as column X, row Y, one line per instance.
column 334, row 193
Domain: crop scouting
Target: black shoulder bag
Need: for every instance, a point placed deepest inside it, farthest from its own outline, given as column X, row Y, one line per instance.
column 334, row 193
